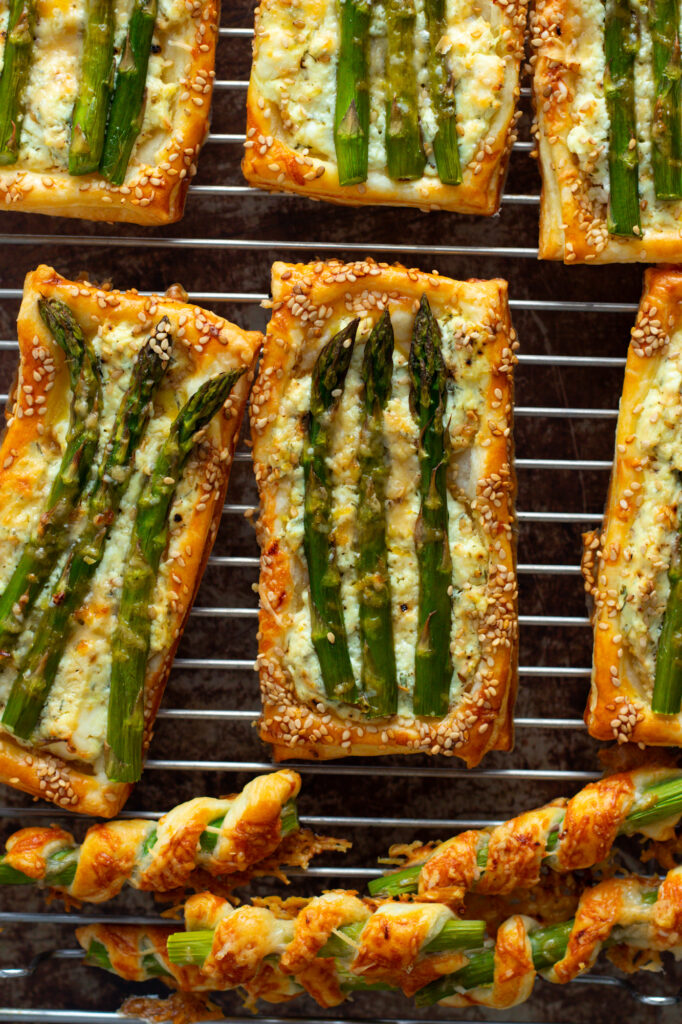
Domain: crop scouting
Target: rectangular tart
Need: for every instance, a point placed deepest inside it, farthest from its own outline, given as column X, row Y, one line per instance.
column 311, row 303
column 626, row 565
column 290, row 144
column 174, row 112
column 583, row 163
column 64, row 759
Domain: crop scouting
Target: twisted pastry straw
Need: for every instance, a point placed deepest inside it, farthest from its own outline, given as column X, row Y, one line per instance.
column 335, row 944
column 220, row 837
column 564, row 835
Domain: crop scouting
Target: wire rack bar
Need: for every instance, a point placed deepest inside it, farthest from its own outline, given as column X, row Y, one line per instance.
column 386, row 771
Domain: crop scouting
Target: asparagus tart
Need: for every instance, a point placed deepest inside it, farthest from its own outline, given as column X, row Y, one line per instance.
column 381, row 421
column 398, row 102
column 104, row 106
column 115, row 461
column 632, row 566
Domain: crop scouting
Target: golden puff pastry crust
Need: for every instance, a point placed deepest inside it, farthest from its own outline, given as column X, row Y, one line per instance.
column 310, row 304
column 64, row 763
column 291, row 96
column 626, row 565
column 176, row 119
column 573, row 141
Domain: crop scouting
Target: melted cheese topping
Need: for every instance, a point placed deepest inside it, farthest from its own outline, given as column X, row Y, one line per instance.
column 295, row 69
column 468, row 378
column 54, row 77
column 644, row 586
column 588, row 139
column 73, row 722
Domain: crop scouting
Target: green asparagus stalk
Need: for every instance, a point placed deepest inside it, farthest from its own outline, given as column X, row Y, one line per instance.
column 548, row 946
column 621, row 41
column 90, row 111
column 21, row 30
column 404, row 152
column 661, row 801
column 39, row 665
column 379, row 679
column 666, row 128
column 326, row 610
column 667, row 696
column 194, row 947
column 442, row 92
column 50, row 538
column 61, row 861
column 433, row 661
column 130, row 643
column 127, row 103
column 351, row 113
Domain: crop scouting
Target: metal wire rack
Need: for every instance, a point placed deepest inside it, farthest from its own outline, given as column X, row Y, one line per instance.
column 574, row 338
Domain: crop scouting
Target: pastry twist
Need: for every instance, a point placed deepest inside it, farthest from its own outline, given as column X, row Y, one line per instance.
column 564, row 835
column 220, row 837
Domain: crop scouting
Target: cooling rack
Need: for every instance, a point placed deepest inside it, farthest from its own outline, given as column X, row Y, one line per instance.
column 573, row 325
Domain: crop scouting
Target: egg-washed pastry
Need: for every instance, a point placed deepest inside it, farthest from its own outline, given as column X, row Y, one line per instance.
column 563, row 836
column 397, row 102
column 632, row 567
column 382, row 440
column 608, row 106
column 104, row 106
column 231, row 839
column 120, row 433
column 336, row 944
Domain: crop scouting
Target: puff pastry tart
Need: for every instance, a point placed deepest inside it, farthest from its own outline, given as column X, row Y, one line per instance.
column 610, row 144
column 104, row 106
column 114, row 465
column 402, row 103
column 336, row 944
column 381, row 422
column 632, row 568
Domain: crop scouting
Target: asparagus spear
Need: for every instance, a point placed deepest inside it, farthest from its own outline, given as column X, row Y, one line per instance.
column 21, row 30
column 442, row 92
column 666, row 128
column 127, row 103
column 351, row 113
column 404, row 152
column 661, row 801
column 39, row 665
column 379, row 681
column 48, row 541
column 92, row 104
column 61, row 857
column 667, row 696
column 193, row 947
column 326, row 611
column 621, row 40
column 130, row 643
column 433, row 661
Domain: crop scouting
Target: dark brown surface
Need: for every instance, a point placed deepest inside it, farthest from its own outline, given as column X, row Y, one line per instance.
column 227, row 268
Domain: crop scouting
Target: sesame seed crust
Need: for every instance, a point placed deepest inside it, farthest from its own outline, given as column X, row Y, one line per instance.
column 151, row 194
column 271, row 163
column 619, row 705
column 309, row 303
column 212, row 345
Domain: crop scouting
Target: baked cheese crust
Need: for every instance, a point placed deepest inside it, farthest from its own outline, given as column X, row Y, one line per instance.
column 626, row 565
column 65, row 761
column 310, row 304
column 573, row 141
column 291, row 97
column 175, row 123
